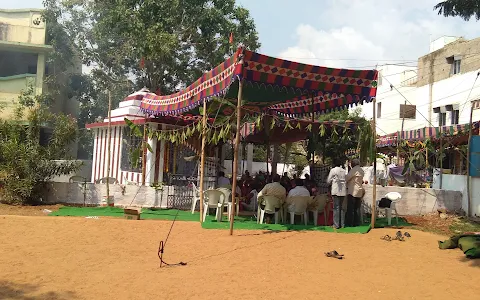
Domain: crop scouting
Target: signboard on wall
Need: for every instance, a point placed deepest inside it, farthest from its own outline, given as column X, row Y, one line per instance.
column 475, row 156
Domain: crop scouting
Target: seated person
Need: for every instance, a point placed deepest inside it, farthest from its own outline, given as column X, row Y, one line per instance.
column 298, row 191
column 222, row 181
column 274, row 189
column 250, row 202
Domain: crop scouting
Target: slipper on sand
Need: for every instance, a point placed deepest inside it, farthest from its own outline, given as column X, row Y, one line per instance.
column 386, row 238
column 334, row 254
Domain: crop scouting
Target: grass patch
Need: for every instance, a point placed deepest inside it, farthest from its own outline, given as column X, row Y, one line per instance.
column 462, row 225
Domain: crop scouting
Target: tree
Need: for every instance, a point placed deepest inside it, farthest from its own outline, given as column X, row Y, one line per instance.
column 459, row 8
column 29, row 153
column 332, row 142
column 163, row 44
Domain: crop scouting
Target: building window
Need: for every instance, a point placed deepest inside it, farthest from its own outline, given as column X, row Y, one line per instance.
column 379, row 109
column 131, row 143
column 455, row 61
column 456, row 67
column 408, row 111
column 442, row 119
column 454, row 117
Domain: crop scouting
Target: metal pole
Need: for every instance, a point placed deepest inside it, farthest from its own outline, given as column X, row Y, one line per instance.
column 202, row 158
column 109, row 141
column 235, row 155
column 374, row 194
column 469, row 203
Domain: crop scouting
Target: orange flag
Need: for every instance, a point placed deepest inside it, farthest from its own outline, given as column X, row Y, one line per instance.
column 230, row 40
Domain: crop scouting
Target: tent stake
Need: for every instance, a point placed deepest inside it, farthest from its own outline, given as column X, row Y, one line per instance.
column 202, row 158
column 235, row 155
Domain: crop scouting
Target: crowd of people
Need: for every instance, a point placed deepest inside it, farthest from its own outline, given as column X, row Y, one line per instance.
column 344, row 186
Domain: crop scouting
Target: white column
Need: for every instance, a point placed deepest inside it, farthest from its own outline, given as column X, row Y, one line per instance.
column 40, row 73
column 250, row 158
column 240, row 159
column 150, row 163
column 161, row 158
column 94, row 159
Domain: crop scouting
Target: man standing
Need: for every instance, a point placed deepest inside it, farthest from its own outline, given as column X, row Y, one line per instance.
column 336, row 178
column 355, row 191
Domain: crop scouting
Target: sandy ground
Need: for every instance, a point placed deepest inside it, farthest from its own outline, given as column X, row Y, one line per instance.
column 78, row 258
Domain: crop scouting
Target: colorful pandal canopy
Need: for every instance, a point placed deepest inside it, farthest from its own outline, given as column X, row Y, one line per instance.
column 269, row 82
column 296, row 132
column 425, row 133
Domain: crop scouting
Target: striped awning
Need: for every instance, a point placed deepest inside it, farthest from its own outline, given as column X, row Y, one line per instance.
column 425, row 133
column 436, row 132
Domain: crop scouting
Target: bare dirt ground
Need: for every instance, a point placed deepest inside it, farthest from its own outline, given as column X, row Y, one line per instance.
column 78, row 258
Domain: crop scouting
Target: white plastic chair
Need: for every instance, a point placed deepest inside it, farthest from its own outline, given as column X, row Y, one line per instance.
column 228, row 200
column 318, row 206
column 196, row 197
column 214, row 199
column 272, row 206
column 299, row 204
column 394, row 197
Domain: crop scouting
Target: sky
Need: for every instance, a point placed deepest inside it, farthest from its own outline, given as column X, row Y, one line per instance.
column 343, row 33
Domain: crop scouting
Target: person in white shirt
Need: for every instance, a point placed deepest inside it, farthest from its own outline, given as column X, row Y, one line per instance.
column 336, row 178
column 298, row 191
column 222, row 181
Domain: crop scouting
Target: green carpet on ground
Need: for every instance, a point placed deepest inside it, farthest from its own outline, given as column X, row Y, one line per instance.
column 383, row 222
column 69, row 211
column 247, row 223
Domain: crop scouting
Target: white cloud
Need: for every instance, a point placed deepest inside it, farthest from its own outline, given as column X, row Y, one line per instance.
column 367, row 32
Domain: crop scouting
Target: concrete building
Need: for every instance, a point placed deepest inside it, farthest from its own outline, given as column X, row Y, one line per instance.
column 24, row 51
column 437, row 92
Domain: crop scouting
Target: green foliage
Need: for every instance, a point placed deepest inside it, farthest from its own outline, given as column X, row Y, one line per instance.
column 162, row 43
column 27, row 161
column 459, row 8
column 331, row 142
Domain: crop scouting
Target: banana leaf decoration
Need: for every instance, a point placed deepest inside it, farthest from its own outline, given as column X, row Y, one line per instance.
column 299, row 126
column 258, row 123
column 321, row 130
column 272, row 124
column 309, row 128
column 134, row 128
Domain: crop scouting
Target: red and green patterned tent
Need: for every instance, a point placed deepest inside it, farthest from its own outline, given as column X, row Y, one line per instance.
column 270, row 83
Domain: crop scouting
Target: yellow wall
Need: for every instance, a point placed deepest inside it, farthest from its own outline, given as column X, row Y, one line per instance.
column 22, row 26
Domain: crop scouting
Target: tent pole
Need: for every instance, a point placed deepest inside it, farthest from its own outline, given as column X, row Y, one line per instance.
column 374, row 146
column 235, row 155
column 313, row 120
column 202, row 158
column 469, row 203
column 144, row 152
